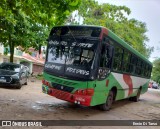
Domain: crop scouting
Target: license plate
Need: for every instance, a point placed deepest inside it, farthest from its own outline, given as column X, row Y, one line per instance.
column 2, row 80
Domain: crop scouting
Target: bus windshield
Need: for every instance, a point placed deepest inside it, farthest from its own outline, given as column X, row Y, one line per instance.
column 72, row 54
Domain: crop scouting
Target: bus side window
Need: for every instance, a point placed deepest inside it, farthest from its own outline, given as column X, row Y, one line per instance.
column 105, row 59
column 117, row 63
column 138, row 69
column 133, row 64
column 106, row 54
column 109, row 56
column 126, row 61
column 103, row 55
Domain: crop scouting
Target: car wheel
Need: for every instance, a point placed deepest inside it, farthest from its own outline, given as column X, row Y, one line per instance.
column 26, row 83
column 19, row 86
column 106, row 106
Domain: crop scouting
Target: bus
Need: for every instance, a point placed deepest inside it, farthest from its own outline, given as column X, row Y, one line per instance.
column 90, row 65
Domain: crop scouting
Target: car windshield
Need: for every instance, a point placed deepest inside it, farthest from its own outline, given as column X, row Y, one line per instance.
column 11, row 67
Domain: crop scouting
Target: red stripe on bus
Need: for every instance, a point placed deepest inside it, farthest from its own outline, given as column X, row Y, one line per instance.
column 104, row 31
column 128, row 80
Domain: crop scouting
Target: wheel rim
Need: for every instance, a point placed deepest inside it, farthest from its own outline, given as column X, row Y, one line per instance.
column 109, row 100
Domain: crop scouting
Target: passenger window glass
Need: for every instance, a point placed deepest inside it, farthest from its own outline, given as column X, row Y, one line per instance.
column 126, row 61
column 106, row 53
column 102, row 60
column 117, row 64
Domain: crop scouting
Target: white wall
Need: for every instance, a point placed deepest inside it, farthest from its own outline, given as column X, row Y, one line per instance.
column 1, row 49
column 1, row 58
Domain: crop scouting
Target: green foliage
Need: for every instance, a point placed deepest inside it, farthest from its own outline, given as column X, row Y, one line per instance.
column 40, row 77
column 156, row 70
column 116, row 19
column 28, row 22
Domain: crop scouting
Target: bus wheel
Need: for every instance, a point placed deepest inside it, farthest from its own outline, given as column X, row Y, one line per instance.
column 136, row 98
column 106, row 106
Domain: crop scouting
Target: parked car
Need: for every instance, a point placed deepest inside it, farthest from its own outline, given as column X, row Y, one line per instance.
column 155, row 86
column 12, row 74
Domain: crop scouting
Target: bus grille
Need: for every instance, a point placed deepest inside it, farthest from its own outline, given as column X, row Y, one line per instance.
column 62, row 87
column 59, row 81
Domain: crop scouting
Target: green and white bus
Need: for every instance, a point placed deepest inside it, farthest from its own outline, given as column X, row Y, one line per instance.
column 90, row 65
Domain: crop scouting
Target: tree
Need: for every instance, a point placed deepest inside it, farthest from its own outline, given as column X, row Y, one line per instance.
column 27, row 23
column 156, row 70
column 116, row 19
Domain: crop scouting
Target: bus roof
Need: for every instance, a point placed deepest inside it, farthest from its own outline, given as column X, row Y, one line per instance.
column 94, row 26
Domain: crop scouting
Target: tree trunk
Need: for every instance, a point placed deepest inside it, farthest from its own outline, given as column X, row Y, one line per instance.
column 11, row 46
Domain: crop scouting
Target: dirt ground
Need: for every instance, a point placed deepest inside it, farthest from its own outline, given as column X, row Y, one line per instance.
column 29, row 103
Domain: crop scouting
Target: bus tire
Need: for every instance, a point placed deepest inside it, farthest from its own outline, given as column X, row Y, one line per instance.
column 136, row 98
column 106, row 106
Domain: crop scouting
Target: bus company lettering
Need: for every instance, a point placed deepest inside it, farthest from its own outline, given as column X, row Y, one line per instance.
column 86, row 45
column 53, row 42
column 52, row 66
column 57, row 43
column 77, row 71
column 63, row 43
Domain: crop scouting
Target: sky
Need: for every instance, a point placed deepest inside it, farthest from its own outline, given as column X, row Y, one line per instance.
column 147, row 11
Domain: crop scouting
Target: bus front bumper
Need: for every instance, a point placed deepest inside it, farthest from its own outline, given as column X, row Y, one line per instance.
column 73, row 98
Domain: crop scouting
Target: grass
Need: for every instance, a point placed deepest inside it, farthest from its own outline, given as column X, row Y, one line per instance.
column 39, row 77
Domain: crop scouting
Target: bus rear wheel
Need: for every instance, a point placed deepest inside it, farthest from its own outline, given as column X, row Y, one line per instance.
column 106, row 106
column 136, row 98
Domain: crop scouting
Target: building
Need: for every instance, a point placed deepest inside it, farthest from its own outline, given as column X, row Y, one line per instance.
column 34, row 61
